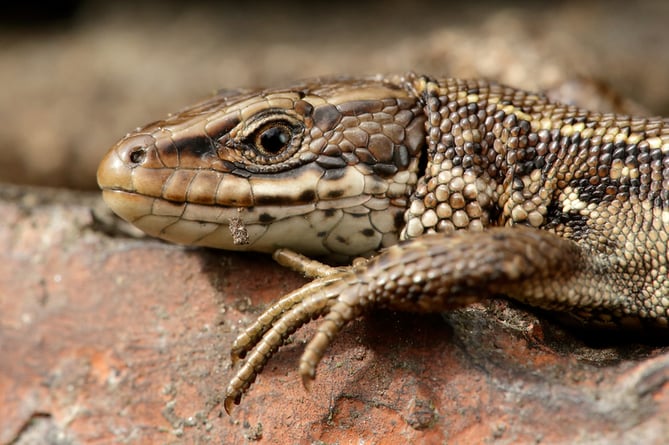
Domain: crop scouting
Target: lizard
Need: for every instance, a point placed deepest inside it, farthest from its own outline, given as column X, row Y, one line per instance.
column 453, row 190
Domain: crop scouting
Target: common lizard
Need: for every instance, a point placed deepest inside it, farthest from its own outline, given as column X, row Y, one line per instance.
column 456, row 189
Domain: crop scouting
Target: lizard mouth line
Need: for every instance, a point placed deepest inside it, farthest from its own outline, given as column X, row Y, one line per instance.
column 264, row 228
column 133, row 206
column 126, row 192
column 120, row 199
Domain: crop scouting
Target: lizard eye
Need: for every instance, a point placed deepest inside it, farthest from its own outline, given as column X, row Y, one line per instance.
column 267, row 139
column 273, row 138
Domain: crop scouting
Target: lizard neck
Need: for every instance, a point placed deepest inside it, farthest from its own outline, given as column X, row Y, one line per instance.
column 458, row 187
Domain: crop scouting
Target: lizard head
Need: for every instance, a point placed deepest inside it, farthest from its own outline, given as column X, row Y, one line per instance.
column 324, row 168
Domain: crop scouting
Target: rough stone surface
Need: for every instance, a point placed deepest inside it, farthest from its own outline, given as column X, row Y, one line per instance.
column 110, row 338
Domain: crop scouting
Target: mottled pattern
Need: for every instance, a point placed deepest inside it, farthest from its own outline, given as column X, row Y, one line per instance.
column 491, row 190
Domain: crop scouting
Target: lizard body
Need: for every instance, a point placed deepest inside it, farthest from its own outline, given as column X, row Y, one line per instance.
column 457, row 190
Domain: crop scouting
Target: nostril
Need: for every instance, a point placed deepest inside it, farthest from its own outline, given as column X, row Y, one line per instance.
column 137, row 155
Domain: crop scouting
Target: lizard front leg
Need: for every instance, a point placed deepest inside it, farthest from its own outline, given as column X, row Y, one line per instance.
column 432, row 273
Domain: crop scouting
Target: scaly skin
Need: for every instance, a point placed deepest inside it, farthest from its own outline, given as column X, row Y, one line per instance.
column 458, row 190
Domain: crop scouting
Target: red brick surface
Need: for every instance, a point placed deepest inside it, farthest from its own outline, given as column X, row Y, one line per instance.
column 123, row 340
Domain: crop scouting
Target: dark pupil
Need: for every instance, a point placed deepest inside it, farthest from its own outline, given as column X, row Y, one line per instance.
column 274, row 139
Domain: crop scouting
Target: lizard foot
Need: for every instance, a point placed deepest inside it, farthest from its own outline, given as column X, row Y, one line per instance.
column 432, row 274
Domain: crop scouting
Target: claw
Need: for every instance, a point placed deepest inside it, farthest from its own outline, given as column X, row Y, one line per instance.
column 306, row 382
column 261, row 340
column 230, row 401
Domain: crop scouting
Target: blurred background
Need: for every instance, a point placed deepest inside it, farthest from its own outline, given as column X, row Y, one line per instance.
column 75, row 76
